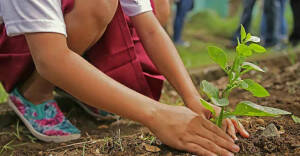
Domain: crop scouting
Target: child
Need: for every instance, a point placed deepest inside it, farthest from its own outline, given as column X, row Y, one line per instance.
column 55, row 33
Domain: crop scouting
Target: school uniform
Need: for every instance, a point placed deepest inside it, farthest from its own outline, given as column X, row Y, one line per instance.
column 119, row 53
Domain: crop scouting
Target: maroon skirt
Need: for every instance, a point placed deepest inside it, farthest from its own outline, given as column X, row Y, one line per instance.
column 119, row 54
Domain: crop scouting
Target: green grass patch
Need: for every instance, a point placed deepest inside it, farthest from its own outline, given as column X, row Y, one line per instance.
column 3, row 94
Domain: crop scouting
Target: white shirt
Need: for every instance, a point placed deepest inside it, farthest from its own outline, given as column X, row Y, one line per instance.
column 28, row 16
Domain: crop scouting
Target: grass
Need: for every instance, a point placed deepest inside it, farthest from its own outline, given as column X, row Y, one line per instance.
column 3, row 94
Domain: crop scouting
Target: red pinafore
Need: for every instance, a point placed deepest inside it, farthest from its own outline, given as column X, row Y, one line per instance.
column 119, row 54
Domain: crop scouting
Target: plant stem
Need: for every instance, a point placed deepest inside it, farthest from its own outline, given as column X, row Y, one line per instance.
column 220, row 119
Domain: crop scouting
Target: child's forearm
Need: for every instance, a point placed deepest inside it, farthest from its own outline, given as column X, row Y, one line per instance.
column 64, row 68
column 164, row 55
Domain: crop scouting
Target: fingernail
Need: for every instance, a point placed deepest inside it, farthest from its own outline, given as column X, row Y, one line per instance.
column 235, row 138
column 236, row 148
column 247, row 133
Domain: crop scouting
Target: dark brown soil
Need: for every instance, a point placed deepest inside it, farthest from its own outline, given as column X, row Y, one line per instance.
column 125, row 137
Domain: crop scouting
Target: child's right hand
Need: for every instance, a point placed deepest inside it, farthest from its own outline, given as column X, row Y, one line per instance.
column 181, row 128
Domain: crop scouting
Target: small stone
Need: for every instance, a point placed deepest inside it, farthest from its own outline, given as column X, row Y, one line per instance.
column 271, row 131
column 261, row 128
column 97, row 151
column 297, row 150
column 63, row 144
column 151, row 148
column 158, row 142
column 260, row 121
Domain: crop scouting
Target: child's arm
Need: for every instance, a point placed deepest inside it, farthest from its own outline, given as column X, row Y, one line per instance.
column 178, row 127
column 165, row 56
column 163, row 53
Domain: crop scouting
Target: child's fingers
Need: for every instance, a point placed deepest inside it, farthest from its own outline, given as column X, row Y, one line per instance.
column 231, row 129
column 224, row 125
column 214, row 128
column 240, row 128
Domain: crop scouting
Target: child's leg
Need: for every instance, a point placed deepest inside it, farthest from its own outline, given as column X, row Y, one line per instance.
column 85, row 24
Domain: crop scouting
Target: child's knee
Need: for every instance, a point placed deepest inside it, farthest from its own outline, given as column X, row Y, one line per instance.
column 104, row 10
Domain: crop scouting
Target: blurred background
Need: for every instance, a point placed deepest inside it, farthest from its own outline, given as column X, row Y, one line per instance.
column 216, row 22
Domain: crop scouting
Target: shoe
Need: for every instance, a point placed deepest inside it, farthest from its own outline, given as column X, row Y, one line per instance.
column 279, row 47
column 97, row 113
column 45, row 121
column 182, row 43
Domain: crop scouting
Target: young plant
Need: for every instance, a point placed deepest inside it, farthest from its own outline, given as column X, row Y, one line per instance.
column 247, row 45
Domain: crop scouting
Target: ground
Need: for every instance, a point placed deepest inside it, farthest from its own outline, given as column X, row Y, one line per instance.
column 125, row 137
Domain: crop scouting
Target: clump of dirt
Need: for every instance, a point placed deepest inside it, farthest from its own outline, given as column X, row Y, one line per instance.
column 288, row 142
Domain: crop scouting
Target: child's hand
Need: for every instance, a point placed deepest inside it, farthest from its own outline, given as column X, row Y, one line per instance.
column 230, row 126
column 183, row 129
column 233, row 126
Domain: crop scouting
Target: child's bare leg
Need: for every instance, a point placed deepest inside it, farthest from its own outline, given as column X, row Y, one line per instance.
column 85, row 24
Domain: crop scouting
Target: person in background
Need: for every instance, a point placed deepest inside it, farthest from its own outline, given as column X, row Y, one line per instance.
column 183, row 7
column 273, row 25
column 295, row 36
column 246, row 19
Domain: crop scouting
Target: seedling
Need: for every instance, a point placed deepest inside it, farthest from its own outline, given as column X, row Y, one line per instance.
column 247, row 45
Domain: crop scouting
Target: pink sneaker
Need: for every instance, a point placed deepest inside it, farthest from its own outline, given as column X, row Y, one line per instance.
column 45, row 121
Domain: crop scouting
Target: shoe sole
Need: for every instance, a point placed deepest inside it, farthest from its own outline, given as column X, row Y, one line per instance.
column 40, row 136
column 99, row 117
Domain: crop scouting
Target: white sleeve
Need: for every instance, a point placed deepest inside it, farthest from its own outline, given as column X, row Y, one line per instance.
column 28, row 16
column 135, row 7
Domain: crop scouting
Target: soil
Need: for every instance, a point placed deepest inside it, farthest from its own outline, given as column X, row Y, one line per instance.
column 125, row 137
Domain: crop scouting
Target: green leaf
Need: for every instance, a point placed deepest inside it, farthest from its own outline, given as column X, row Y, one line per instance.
column 257, row 48
column 248, row 37
column 247, row 108
column 228, row 115
column 236, row 66
column 296, row 119
column 247, row 65
column 220, row 102
column 209, row 89
column 244, row 50
column 218, row 56
column 243, row 84
column 208, row 106
column 255, row 88
column 243, row 33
